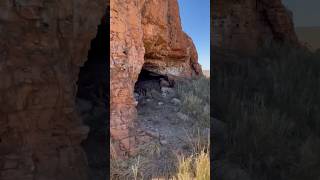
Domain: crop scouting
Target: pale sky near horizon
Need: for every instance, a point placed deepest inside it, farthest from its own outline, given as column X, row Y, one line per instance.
column 305, row 12
column 195, row 19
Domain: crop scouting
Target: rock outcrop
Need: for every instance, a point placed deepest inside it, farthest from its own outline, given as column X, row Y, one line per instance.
column 42, row 46
column 144, row 34
column 243, row 25
column 168, row 50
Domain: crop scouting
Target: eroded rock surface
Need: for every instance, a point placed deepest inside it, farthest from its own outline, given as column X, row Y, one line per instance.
column 243, row 25
column 168, row 49
column 144, row 34
column 42, row 46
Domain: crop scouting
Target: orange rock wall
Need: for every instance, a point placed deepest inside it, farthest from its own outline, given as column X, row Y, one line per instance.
column 126, row 59
column 42, row 46
column 168, row 49
column 144, row 34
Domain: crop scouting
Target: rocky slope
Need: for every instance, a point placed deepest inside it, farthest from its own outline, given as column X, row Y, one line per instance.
column 148, row 35
column 243, row 25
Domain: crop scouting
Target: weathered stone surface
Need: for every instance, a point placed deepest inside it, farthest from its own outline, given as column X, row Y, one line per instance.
column 242, row 25
column 42, row 46
column 168, row 49
column 144, row 34
column 126, row 59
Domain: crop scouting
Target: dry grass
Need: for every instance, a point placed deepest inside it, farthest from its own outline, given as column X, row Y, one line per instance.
column 195, row 96
column 133, row 167
column 194, row 167
column 270, row 104
column 184, row 168
column 195, row 100
column 197, row 165
column 203, row 166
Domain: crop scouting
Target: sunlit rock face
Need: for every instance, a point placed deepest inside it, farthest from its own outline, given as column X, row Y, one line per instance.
column 126, row 59
column 144, row 34
column 168, row 49
column 42, row 46
column 243, row 25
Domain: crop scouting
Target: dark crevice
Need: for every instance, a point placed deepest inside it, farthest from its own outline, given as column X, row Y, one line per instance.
column 92, row 103
column 148, row 81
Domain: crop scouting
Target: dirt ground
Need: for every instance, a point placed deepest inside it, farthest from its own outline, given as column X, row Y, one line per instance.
column 173, row 132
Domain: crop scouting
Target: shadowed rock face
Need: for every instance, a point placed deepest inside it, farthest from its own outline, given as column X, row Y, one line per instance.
column 42, row 46
column 144, row 34
column 243, row 25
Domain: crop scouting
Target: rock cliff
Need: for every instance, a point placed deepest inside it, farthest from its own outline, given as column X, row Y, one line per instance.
column 144, row 34
column 243, row 25
column 42, row 46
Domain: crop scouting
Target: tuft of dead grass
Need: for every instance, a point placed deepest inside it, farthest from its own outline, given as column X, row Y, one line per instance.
column 194, row 167
column 197, row 165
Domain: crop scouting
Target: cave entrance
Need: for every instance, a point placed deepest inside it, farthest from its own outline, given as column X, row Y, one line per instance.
column 149, row 83
column 92, row 102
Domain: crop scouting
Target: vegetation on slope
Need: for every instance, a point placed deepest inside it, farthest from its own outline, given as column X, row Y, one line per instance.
column 271, row 105
column 195, row 98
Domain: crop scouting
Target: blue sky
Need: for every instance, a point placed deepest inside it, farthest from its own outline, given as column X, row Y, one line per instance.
column 195, row 19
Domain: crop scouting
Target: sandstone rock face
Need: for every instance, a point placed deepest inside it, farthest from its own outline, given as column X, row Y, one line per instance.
column 144, row 34
column 168, row 49
column 42, row 46
column 244, row 24
column 126, row 59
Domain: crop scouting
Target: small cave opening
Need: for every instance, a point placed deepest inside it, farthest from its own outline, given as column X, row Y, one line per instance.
column 149, row 82
column 92, row 103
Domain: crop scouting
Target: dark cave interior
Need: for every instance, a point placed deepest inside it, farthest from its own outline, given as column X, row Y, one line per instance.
column 92, row 103
column 148, row 80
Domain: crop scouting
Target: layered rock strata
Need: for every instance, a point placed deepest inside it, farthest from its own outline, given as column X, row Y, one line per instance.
column 144, row 34
column 42, row 46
